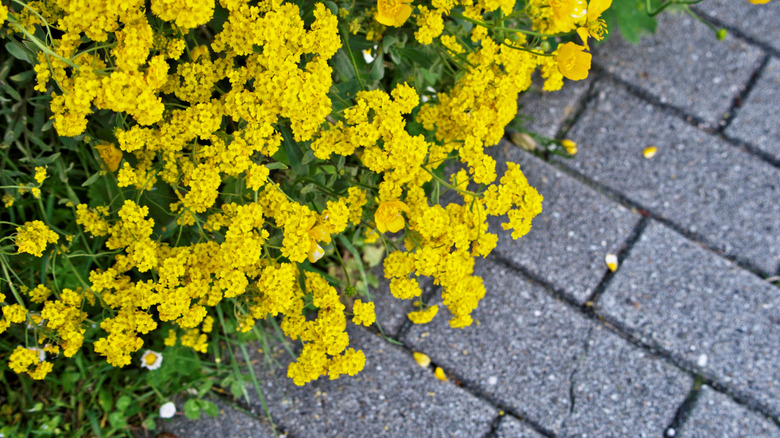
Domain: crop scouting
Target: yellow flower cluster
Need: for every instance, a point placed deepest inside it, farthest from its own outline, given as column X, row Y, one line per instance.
column 33, row 236
column 214, row 205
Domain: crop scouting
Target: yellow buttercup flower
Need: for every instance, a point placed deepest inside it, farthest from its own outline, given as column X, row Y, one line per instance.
column 573, row 61
column 595, row 26
column 568, row 13
column 393, row 12
column 388, row 216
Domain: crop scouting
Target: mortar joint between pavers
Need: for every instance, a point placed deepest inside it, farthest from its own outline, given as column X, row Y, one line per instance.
column 622, row 255
column 683, row 411
column 747, row 402
column 582, row 104
column 738, row 33
column 620, row 198
column 696, row 122
column 685, row 366
column 702, row 125
column 464, row 383
column 742, row 96
column 750, row 149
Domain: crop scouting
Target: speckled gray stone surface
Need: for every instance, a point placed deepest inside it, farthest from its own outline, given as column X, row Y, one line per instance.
column 707, row 312
column 392, row 396
column 761, row 22
column 717, row 416
column 545, row 112
column 520, row 351
column 231, row 423
column 511, row 427
column 752, row 122
column 683, row 65
column 620, row 390
column 695, row 180
column 570, row 237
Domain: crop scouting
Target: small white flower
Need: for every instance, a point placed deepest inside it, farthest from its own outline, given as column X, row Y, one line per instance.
column 167, row 410
column 151, row 360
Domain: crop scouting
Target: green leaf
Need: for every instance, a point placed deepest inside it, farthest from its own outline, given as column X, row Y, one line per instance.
column 123, row 402
column 150, row 424
column 308, row 157
column 631, row 19
column 422, row 58
column 23, row 76
column 117, row 419
column 236, row 388
column 105, row 400
column 91, row 180
column 192, row 409
column 17, row 51
column 332, row 6
column 293, row 151
column 205, row 388
column 276, row 166
column 209, row 408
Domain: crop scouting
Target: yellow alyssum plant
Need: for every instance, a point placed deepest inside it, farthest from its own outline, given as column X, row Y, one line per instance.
column 213, row 160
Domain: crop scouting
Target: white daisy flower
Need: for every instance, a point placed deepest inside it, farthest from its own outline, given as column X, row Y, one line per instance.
column 151, row 360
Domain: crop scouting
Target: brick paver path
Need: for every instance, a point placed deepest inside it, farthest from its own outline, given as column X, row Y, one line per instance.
column 683, row 340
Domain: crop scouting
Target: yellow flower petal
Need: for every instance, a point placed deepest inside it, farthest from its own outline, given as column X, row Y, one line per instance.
column 422, row 359
column 439, row 373
column 612, row 262
column 650, row 152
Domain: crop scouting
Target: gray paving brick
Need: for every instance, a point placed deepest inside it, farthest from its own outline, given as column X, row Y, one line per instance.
column 231, row 423
column 521, row 351
column 392, row 396
column 717, row 416
column 684, row 65
column 705, row 311
column 697, row 181
column 511, row 427
column 569, row 239
column 761, row 22
column 544, row 112
column 753, row 123
column 621, row 390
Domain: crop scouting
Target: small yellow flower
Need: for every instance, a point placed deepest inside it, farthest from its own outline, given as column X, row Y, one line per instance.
column 393, row 12
column 570, row 146
column 573, row 61
column 388, row 216
column 40, row 174
column 151, row 360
